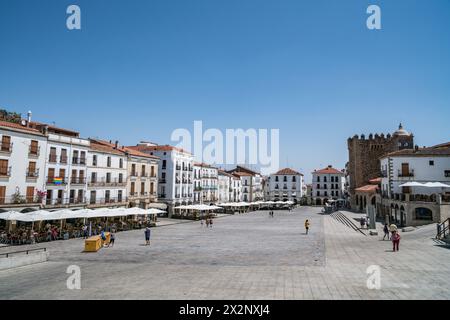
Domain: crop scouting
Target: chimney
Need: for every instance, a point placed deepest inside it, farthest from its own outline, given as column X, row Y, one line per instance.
column 29, row 118
column 116, row 144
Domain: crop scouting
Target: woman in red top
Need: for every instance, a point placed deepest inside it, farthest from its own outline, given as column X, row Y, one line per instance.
column 395, row 240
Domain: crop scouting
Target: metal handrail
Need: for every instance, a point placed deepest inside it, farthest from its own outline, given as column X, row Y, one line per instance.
column 22, row 251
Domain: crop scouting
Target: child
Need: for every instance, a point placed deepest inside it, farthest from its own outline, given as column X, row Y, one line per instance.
column 307, row 226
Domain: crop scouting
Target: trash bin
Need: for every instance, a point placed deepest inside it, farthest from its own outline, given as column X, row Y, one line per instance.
column 92, row 244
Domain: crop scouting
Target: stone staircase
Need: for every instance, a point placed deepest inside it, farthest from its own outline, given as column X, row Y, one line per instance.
column 342, row 218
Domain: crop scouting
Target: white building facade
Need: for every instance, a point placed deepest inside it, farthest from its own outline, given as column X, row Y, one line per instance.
column 175, row 169
column 22, row 165
column 107, row 176
column 286, row 185
column 327, row 184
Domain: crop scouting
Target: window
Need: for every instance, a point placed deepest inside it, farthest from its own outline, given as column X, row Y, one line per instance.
column 293, row 179
column 63, row 155
column 164, row 162
column 423, row 214
column 119, row 196
column 325, row 194
column 276, row 178
column 108, row 177
column 332, row 179
column 318, row 186
column 83, row 157
column 431, row 162
column 142, row 188
column 94, row 160
column 120, row 178
column 120, row 163
column 447, row 173
column 93, row 177
column 324, row 179
column 318, row 178
column 132, row 189
column 6, row 143
column 31, row 169
column 52, row 156
column 107, row 196
column 108, row 162
column 34, row 147
column 75, row 157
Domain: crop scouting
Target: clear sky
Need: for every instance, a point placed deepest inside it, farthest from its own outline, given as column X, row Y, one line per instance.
column 140, row 69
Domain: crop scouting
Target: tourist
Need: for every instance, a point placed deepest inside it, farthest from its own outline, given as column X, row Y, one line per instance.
column 85, row 231
column 201, row 222
column 102, row 235
column 386, row 231
column 362, row 221
column 210, row 222
column 147, row 236
column 395, row 241
column 111, row 240
column 307, row 224
column 207, row 222
column 392, row 229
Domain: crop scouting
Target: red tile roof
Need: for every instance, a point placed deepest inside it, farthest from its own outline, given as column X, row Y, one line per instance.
column 288, row 171
column 370, row 188
column 158, row 148
column 328, row 170
column 18, row 126
column 442, row 149
column 104, row 146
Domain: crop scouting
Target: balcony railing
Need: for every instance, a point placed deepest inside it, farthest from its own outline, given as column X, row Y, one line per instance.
column 32, row 174
column 79, row 160
column 6, row 147
column 18, row 200
column 144, row 174
column 103, row 201
column 162, row 180
column 177, row 167
column 52, row 158
column 162, row 195
column 134, row 174
column 103, row 182
column 34, row 152
column 78, row 180
column 5, row 172
column 407, row 174
column 63, row 159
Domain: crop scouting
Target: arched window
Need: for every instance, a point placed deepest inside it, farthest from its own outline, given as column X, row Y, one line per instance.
column 423, row 214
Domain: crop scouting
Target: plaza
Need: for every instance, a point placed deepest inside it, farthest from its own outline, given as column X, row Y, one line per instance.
column 246, row 256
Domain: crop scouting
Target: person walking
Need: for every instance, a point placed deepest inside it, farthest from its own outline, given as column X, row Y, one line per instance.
column 112, row 239
column 392, row 229
column 207, row 222
column 307, row 224
column 395, row 241
column 147, row 236
column 201, row 222
column 386, row 231
column 210, row 222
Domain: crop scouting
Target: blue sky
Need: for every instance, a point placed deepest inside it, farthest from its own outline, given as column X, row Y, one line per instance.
column 140, row 69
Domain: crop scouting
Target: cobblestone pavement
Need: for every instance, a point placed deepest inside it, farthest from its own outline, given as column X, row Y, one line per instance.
column 248, row 256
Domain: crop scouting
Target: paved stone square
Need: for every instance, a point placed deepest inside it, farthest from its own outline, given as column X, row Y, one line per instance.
column 247, row 256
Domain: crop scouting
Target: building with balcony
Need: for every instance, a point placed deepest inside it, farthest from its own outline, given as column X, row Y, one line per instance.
column 107, row 175
column 225, row 181
column 65, row 166
column 142, row 186
column 206, row 187
column 175, row 171
column 22, row 164
column 286, row 185
column 251, row 184
column 327, row 184
column 412, row 206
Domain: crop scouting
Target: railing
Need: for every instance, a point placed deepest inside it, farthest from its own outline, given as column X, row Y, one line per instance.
column 144, row 174
column 107, row 200
column 6, row 147
column 63, row 159
column 107, row 183
column 32, row 174
column 18, row 200
column 34, row 152
column 52, row 158
column 134, row 174
column 443, row 229
column 78, row 180
column 77, row 200
column 162, row 180
column 409, row 174
column 79, row 160
column 22, row 251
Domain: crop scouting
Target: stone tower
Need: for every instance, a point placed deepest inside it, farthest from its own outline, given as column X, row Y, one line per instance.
column 364, row 155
